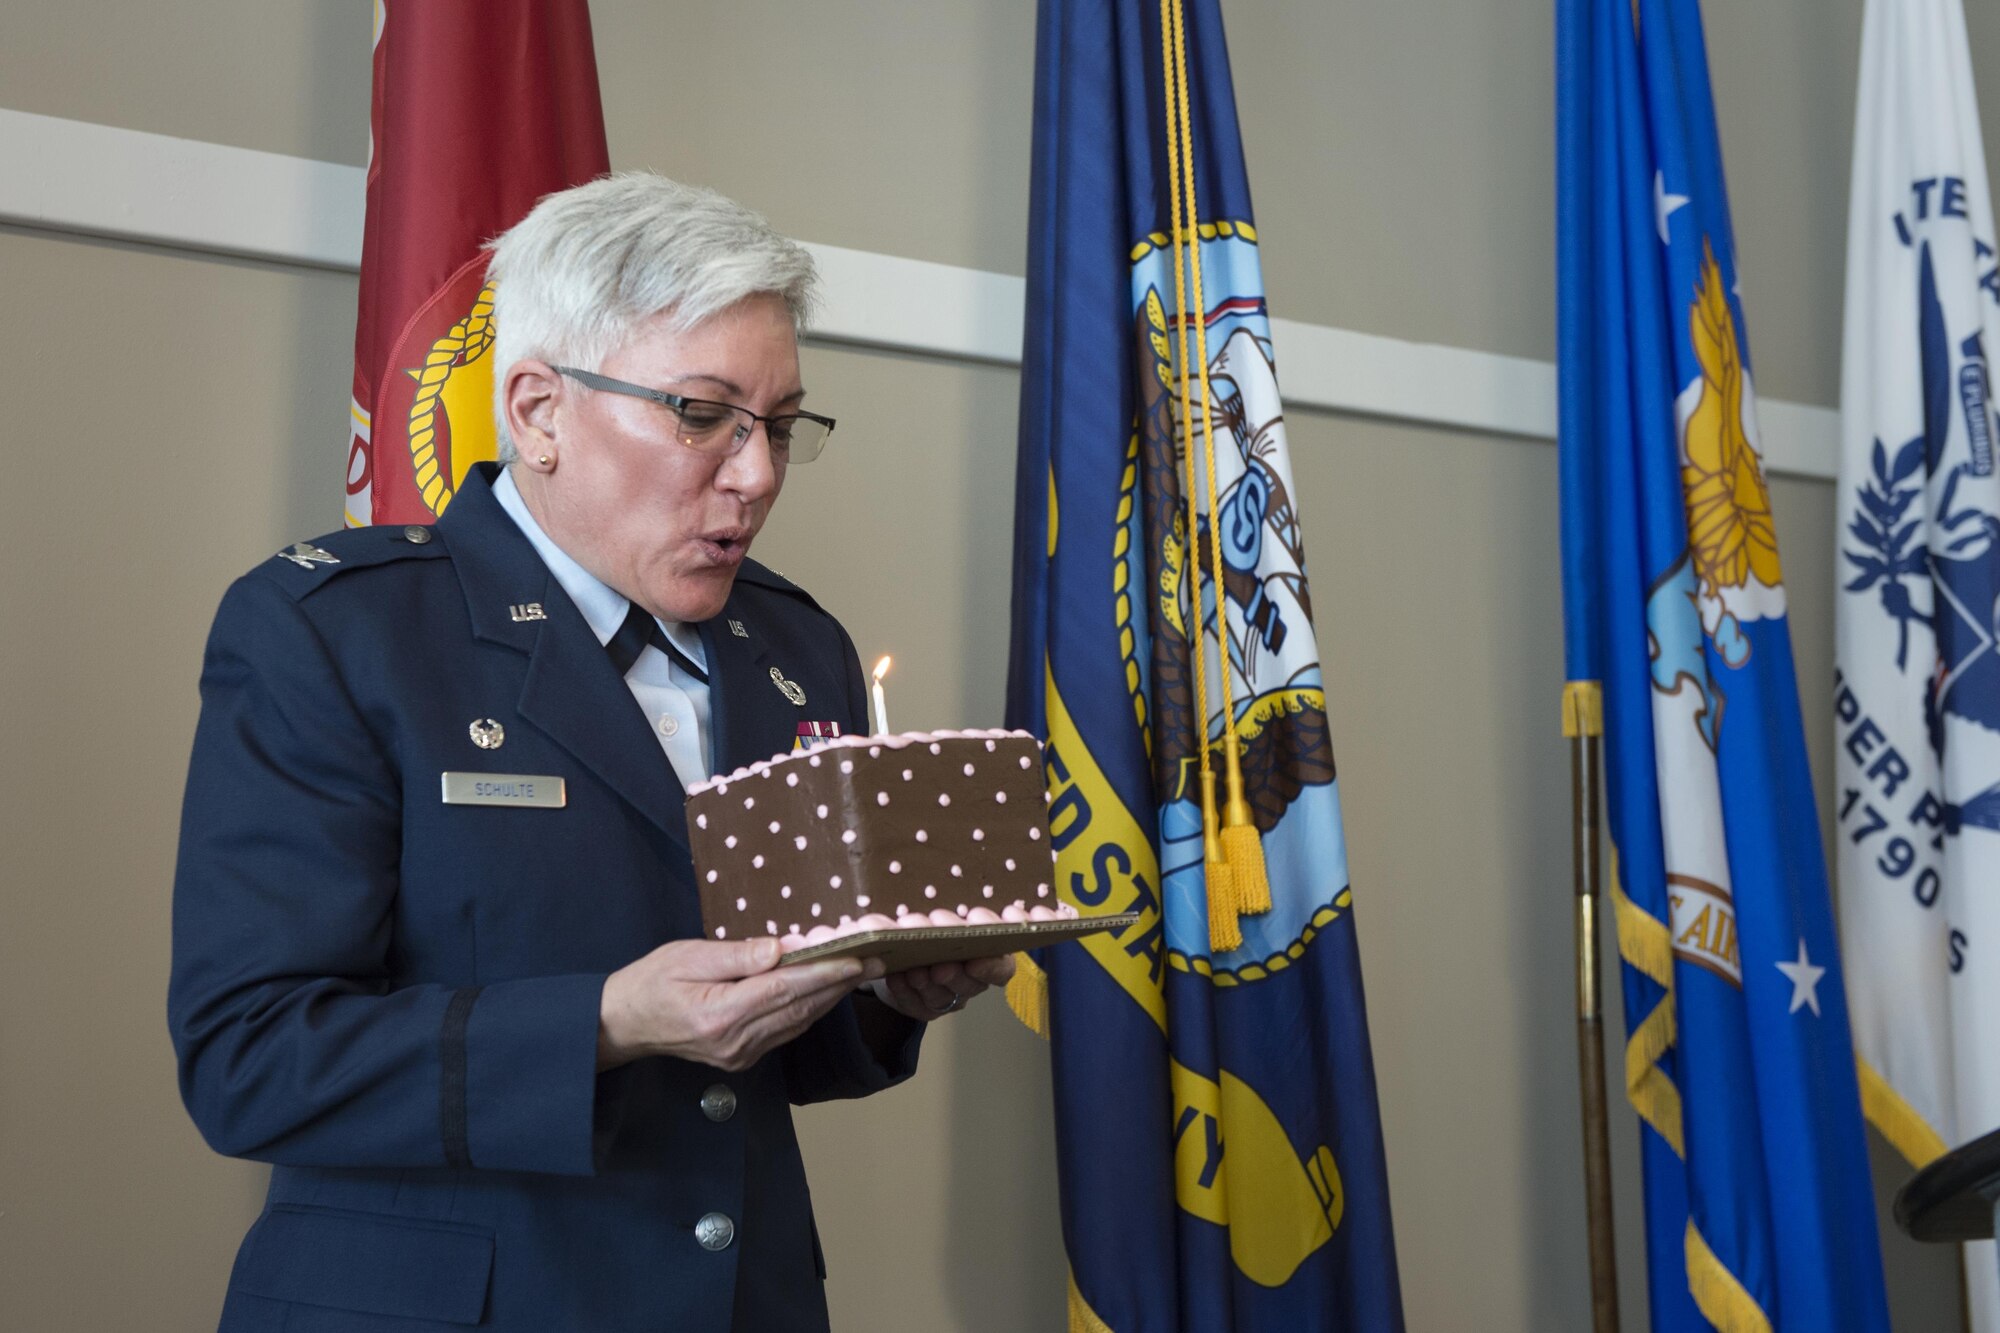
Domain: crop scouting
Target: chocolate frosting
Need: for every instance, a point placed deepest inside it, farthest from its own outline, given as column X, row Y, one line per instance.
column 872, row 825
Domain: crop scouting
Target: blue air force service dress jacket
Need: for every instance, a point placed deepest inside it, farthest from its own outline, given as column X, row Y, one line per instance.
column 394, row 999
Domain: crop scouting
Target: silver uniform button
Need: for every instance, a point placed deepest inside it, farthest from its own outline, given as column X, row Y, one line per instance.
column 416, row 534
column 714, row 1231
column 719, row 1102
column 667, row 725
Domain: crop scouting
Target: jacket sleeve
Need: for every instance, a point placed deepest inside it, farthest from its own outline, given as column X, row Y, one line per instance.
column 831, row 1059
column 296, row 1045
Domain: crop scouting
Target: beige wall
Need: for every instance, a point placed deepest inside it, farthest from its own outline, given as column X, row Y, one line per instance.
column 176, row 417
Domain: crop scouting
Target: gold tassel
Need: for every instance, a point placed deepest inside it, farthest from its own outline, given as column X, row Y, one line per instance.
column 1242, row 846
column 1224, row 934
column 1028, row 995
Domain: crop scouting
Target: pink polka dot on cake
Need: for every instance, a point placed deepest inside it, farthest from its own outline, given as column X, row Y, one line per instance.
column 930, row 890
column 907, row 775
column 848, row 836
column 1010, row 863
column 815, row 909
column 861, row 900
column 956, row 872
column 874, row 752
column 742, row 904
column 813, row 759
column 785, row 891
column 847, row 765
column 711, row 877
column 1025, row 761
column 968, row 770
column 729, row 841
column 1000, row 797
column 701, row 821
column 1041, row 890
column 800, row 842
column 820, row 811
column 833, row 882
column 722, row 932
column 1034, row 834
column 774, row 826
column 757, row 861
column 944, row 798
column 895, row 867
column 791, row 779
column 923, row 836
column 881, row 798
column 986, row 891
column 979, row 835
column 990, row 747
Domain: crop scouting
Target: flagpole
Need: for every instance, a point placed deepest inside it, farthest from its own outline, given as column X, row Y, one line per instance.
column 1583, row 725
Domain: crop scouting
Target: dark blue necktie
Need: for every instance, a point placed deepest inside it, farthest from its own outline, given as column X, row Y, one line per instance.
column 632, row 637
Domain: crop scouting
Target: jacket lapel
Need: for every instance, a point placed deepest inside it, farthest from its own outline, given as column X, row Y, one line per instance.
column 752, row 721
column 570, row 690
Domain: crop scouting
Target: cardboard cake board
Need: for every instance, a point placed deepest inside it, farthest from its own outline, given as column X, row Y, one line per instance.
column 902, row 948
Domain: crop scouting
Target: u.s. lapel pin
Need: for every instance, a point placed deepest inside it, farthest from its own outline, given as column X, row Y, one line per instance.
column 736, row 628
column 520, row 611
column 789, row 688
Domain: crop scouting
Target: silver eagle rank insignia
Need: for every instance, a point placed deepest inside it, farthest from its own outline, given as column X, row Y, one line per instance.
column 305, row 555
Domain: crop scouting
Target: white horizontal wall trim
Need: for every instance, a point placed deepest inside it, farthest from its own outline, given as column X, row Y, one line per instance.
column 97, row 180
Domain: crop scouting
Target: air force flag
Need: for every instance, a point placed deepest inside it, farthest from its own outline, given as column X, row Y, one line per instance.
column 1917, row 704
column 1760, row 1214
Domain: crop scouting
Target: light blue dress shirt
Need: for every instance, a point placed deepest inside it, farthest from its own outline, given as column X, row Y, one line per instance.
column 674, row 701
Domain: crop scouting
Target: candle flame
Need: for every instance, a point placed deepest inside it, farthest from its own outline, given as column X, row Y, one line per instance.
column 881, row 668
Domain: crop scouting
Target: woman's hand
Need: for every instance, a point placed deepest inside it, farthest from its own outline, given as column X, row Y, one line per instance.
column 725, row 1004
column 927, row 993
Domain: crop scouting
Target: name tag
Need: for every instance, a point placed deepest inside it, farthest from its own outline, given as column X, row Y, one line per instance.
column 530, row 789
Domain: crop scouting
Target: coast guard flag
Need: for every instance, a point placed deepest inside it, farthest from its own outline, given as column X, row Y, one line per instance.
column 1759, row 1209
column 1917, row 703
column 1219, row 1145
column 480, row 108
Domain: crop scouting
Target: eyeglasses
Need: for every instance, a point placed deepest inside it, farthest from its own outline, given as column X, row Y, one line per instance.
column 722, row 428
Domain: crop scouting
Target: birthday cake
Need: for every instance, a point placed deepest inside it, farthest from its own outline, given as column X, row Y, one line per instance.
column 869, row 833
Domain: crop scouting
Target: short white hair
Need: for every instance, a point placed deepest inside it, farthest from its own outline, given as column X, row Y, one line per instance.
column 575, row 279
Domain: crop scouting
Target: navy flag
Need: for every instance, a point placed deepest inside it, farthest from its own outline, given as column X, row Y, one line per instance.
column 1759, row 1209
column 1218, row 1139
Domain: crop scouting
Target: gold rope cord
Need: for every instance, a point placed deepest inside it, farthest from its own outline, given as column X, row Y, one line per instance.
column 1242, row 848
column 1224, row 934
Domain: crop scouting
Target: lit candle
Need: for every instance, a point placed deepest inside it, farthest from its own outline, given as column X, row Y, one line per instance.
column 881, row 708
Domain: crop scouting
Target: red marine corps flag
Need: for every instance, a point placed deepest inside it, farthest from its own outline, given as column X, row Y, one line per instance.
column 481, row 107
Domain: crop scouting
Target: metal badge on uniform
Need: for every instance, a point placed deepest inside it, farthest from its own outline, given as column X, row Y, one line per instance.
column 520, row 611
column 488, row 734
column 789, row 688
column 305, row 555
column 534, row 790
column 736, row 628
